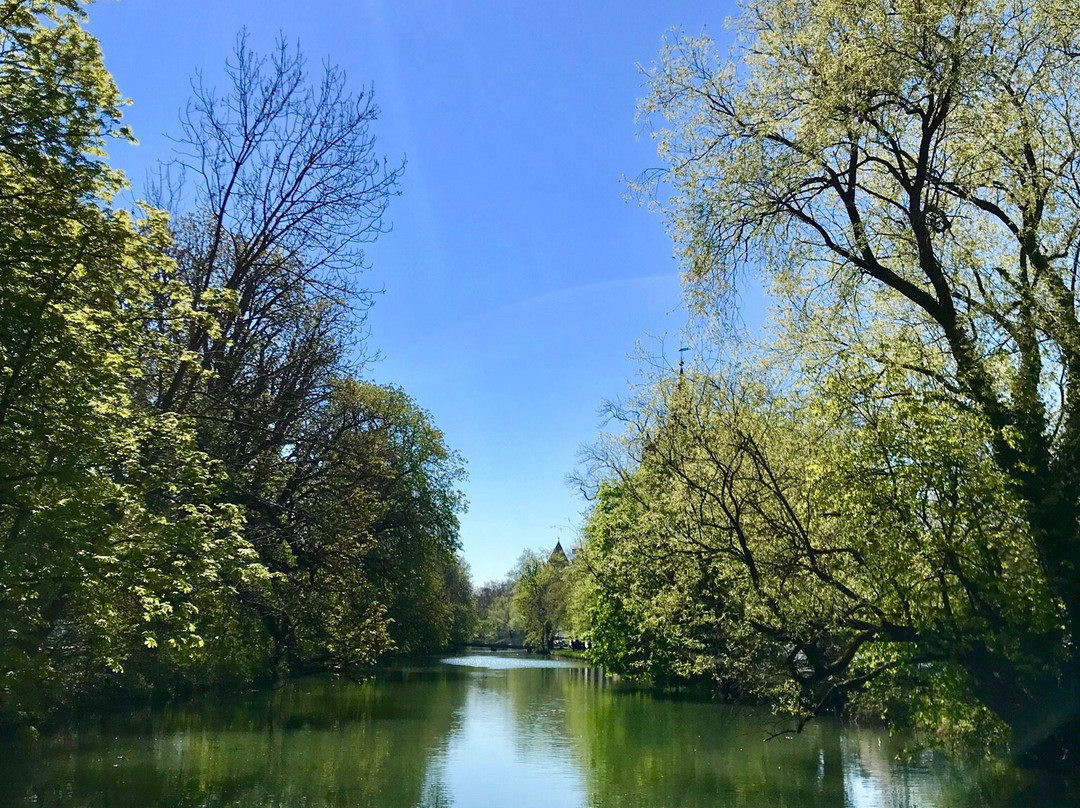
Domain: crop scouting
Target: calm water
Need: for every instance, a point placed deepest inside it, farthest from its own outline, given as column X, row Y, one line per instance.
column 472, row 732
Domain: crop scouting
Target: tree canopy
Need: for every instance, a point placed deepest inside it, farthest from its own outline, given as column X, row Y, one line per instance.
column 197, row 483
column 885, row 498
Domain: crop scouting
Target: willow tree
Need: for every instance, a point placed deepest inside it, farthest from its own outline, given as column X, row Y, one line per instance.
column 916, row 163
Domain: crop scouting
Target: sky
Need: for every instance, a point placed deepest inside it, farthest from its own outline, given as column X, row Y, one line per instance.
column 519, row 282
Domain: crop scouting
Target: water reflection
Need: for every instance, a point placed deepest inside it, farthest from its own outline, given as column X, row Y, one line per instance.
column 316, row 743
column 510, row 749
column 480, row 731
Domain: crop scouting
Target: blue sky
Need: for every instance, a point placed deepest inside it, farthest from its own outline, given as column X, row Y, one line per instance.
column 518, row 280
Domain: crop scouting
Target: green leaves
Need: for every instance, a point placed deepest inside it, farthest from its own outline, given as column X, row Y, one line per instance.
column 826, row 546
column 111, row 536
column 903, row 505
column 538, row 606
column 195, row 489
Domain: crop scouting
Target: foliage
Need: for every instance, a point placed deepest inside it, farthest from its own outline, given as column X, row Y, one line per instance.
column 412, row 562
column 649, row 611
column 531, row 605
column 195, row 486
column 896, row 506
column 495, row 619
column 348, row 490
column 112, row 540
column 538, row 607
column 792, row 548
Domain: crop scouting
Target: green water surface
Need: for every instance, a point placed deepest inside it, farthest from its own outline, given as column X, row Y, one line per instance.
column 472, row 732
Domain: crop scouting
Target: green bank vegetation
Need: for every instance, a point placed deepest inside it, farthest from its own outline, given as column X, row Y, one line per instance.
column 877, row 507
column 197, row 485
column 531, row 606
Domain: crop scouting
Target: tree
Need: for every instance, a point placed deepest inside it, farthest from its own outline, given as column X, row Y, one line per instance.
column 360, row 529
column 912, row 168
column 539, row 602
column 493, row 607
column 348, row 491
column 457, row 584
column 417, row 534
column 651, row 605
column 195, row 486
column 813, row 549
column 287, row 190
column 111, row 541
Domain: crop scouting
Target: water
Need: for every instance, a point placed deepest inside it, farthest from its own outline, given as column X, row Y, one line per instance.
column 475, row 731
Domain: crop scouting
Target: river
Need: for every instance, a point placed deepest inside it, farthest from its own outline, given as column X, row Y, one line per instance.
column 474, row 731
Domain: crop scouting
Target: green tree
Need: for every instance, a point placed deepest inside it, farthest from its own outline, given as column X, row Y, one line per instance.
column 457, row 586
column 348, row 491
column 649, row 601
column 417, row 536
column 539, row 603
column 906, row 172
column 493, row 606
column 110, row 541
column 195, row 488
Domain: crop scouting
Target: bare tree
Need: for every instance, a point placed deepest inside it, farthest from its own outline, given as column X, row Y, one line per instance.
column 287, row 189
column 284, row 189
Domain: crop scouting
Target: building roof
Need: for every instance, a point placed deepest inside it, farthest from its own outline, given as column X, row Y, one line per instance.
column 558, row 556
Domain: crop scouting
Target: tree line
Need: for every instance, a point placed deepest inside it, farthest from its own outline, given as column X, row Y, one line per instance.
column 876, row 506
column 198, row 484
column 533, row 605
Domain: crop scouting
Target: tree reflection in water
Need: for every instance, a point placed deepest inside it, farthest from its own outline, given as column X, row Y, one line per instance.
column 312, row 743
column 486, row 731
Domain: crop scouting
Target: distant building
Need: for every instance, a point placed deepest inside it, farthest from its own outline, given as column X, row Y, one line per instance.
column 558, row 556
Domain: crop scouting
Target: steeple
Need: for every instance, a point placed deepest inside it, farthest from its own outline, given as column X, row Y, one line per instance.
column 558, row 556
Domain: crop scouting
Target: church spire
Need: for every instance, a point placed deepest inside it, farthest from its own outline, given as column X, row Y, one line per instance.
column 558, row 556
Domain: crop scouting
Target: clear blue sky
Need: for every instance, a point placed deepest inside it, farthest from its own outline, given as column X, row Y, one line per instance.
column 518, row 279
